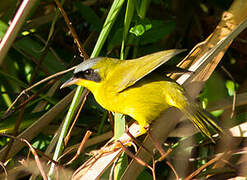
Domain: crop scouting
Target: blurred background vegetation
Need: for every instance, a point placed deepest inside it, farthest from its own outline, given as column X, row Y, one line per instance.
column 155, row 25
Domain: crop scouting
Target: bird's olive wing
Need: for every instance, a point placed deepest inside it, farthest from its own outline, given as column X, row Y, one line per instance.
column 133, row 70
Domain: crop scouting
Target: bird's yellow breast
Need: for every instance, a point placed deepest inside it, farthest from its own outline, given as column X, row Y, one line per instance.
column 144, row 101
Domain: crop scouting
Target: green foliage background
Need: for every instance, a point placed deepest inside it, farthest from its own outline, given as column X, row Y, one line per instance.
column 141, row 27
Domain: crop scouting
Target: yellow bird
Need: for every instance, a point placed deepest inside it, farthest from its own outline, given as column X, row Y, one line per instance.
column 129, row 87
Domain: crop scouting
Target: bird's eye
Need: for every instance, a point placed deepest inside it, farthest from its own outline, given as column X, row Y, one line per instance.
column 87, row 72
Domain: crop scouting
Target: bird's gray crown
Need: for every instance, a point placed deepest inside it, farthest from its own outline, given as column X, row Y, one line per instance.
column 86, row 64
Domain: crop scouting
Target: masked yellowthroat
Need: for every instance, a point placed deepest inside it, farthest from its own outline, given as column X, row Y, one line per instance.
column 129, row 87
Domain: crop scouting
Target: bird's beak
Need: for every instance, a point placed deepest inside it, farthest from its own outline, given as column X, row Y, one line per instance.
column 69, row 82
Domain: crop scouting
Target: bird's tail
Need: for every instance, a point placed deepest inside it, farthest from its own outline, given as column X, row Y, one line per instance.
column 201, row 120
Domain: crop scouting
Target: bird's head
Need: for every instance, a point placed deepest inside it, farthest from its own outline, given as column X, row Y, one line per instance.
column 92, row 72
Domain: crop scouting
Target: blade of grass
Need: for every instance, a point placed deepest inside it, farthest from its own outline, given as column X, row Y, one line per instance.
column 127, row 20
column 119, row 125
column 65, row 128
column 111, row 17
column 142, row 10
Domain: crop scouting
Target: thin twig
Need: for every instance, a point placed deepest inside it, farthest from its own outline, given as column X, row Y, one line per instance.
column 111, row 175
column 163, row 153
column 36, row 157
column 138, row 142
column 15, row 132
column 153, row 169
column 28, row 100
column 196, row 172
column 163, row 156
column 39, row 65
column 32, row 149
column 157, row 144
column 36, row 84
column 51, row 49
column 138, row 160
column 81, row 147
column 234, row 94
column 72, row 30
column 111, row 120
column 173, row 170
column 41, row 153
column 5, row 170
column 92, row 141
column 32, row 58
column 66, row 139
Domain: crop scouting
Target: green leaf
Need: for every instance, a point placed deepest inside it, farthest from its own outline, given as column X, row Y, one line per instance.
column 119, row 125
column 217, row 113
column 230, row 85
column 140, row 29
column 120, row 166
column 127, row 20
